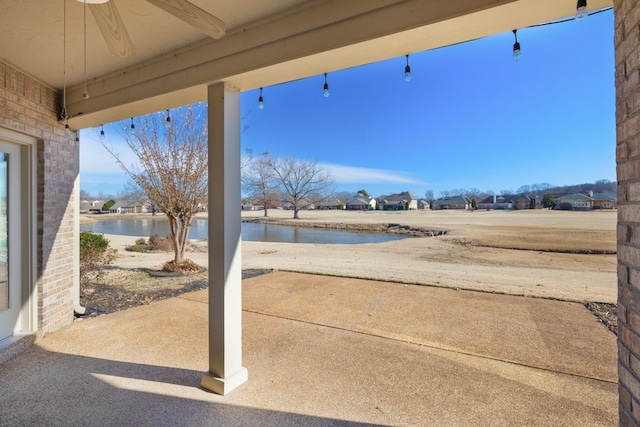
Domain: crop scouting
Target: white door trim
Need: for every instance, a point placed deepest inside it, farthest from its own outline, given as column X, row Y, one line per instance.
column 28, row 210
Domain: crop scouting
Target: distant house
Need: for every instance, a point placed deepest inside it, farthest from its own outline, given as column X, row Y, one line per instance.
column 303, row 204
column 360, row 203
column 452, row 202
column 85, row 206
column 576, row 201
column 330, row 204
column 130, row 207
column 496, row 202
column 583, row 202
column 423, row 205
column 504, row 201
column 398, row 202
column 92, row 206
column 604, row 201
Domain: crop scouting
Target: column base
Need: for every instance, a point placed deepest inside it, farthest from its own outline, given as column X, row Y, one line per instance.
column 224, row 386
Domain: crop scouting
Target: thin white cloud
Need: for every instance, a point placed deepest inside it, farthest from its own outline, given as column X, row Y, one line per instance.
column 357, row 175
column 95, row 159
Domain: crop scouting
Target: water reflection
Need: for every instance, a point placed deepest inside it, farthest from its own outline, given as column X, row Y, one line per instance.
column 250, row 232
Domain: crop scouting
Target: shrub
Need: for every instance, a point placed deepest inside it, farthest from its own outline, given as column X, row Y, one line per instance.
column 185, row 266
column 521, row 204
column 155, row 244
column 94, row 255
column 161, row 244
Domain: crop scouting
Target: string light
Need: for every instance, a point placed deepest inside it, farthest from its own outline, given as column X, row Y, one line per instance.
column 581, row 10
column 168, row 118
column 260, row 101
column 63, row 113
column 325, row 91
column 407, row 70
column 101, row 131
column 85, row 92
column 133, row 125
column 516, row 47
column 77, row 136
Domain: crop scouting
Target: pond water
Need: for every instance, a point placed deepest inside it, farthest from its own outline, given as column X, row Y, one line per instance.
column 250, row 231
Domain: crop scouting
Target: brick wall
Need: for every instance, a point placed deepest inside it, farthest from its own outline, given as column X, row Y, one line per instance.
column 627, row 46
column 29, row 107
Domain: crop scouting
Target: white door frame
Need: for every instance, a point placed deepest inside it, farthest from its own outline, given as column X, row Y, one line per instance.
column 28, row 211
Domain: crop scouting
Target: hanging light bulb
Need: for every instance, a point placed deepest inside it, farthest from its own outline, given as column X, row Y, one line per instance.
column 407, row 71
column 516, row 48
column 101, row 131
column 133, row 125
column 260, row 101
column 325, row 91
column 168, row 118
column 77, row 136
column 581, row 10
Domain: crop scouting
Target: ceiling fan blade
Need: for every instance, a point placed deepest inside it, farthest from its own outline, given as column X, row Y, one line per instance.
column 192, row 15
column 112, row 28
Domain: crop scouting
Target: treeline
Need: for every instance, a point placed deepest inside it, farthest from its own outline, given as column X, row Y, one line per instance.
column 539, row 189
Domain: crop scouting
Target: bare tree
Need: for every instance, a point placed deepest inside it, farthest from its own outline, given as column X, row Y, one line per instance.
column 524, row 189
column 246, row 158
column 172, row 171
column 85, row 195
column 303, row 182
column 259, row 181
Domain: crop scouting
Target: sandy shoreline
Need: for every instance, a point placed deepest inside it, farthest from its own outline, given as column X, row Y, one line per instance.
column 467, row 258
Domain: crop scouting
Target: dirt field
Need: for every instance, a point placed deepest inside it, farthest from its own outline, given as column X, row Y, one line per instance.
column 551, row 254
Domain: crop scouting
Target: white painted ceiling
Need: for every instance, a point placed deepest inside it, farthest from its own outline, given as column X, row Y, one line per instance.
column 32, row 34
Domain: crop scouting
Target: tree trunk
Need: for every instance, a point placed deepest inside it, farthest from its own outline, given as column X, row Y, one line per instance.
column 179, row 229
column 184, row 236
column 265, row 211
column 295, row 212
column 174, row 230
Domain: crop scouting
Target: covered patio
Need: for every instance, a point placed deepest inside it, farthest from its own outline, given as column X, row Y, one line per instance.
column 177, row 55
column 316, row 357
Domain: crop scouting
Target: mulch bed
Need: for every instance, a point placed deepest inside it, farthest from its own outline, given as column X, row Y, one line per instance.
column 606, row 313
column 104, row 299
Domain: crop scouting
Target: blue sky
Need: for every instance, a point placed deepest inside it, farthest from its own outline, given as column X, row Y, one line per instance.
column 469, row 117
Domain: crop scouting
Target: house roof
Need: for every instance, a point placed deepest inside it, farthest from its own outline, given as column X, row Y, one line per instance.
column 602, row 196
column 357, row 201
column 405, row 196
column 452, row 200
column 573, row 196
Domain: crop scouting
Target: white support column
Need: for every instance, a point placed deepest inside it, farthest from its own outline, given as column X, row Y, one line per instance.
column 225, row 268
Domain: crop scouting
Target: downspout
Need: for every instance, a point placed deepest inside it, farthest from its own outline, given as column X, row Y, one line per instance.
column 77, row 308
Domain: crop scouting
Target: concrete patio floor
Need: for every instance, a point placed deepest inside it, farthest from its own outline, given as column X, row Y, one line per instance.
column 326, row 351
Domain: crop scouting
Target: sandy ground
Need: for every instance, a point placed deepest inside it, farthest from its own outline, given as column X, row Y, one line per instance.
column 473, row 255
